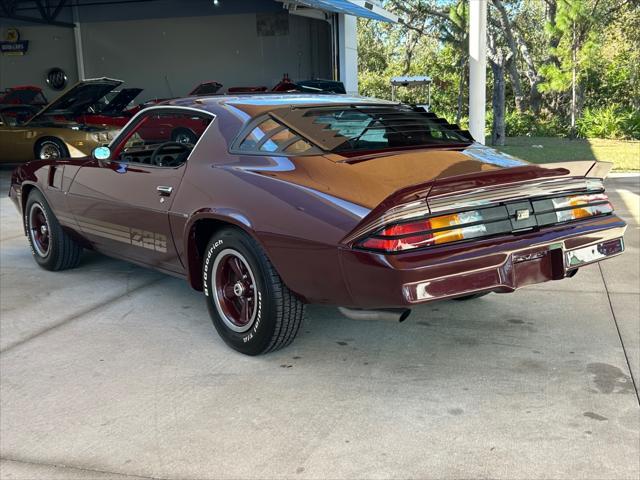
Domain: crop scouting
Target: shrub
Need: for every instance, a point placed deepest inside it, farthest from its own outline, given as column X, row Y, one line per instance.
column 609, row 122
column 631, row 124
column 529, row 125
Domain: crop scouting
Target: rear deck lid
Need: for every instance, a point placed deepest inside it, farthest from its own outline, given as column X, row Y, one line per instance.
column 454, row 190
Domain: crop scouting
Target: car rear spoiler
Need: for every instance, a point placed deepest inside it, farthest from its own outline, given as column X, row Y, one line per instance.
column 479, row 188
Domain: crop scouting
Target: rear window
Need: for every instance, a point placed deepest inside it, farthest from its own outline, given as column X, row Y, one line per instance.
column 377, row 127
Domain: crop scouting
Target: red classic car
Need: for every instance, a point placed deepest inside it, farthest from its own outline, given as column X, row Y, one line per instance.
column 369, row 205
column 23, row 95
column 113, row 112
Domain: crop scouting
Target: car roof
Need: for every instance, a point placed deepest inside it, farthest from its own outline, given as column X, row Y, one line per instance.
column 254, row 104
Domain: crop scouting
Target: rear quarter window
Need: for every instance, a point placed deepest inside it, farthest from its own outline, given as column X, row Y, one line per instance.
column 268, row 136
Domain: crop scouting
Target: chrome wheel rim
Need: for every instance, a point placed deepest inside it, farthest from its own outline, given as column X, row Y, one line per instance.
column 39, row 230
column 49, row 150
column 234, row 290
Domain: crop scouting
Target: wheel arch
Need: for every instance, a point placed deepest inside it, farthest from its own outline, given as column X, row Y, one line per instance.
column 25, row 190
column 198, row 232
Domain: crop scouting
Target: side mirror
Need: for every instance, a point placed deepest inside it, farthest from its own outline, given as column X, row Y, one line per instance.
column 101, row 153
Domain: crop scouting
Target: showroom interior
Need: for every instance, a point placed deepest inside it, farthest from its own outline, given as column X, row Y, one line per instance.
column 237, row 43
column 112, row 370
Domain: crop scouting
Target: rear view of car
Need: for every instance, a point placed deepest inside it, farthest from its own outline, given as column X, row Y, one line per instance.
column 266, row 203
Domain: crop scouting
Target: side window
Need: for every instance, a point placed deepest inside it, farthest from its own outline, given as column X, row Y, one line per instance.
column 269, row 136
column 163, row 138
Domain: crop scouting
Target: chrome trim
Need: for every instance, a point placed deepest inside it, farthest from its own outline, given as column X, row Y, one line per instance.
column 478, row 197
column 487, row 196
column 392, row 314
column 586, row 258
column 607, row 235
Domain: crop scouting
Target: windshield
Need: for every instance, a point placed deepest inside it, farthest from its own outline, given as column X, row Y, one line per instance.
column 360, row 128
column 26, row 96
column 16, row 116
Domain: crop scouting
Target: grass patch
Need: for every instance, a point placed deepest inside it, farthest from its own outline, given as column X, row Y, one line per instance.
column 625, row 154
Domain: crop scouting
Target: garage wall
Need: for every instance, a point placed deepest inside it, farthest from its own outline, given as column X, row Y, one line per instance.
column 48, row 47
column 169, row 56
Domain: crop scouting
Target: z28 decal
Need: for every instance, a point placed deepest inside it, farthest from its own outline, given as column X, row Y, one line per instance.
column 132, row 236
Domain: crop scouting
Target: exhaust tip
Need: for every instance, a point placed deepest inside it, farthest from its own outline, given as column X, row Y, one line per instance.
column 405, row 314
column 392, row 314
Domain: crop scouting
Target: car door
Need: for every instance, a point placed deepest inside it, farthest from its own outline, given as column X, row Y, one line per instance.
column 122, row 204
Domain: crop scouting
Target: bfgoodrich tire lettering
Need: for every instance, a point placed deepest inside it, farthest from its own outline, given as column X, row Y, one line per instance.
column 252, row 310
column 51, row 247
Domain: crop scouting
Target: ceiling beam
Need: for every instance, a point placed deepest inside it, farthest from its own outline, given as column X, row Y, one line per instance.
column 48, row 12
column 37, row 20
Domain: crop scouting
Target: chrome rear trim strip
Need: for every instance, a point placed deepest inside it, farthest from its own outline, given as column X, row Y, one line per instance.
column 479, row 197
column 490, row 195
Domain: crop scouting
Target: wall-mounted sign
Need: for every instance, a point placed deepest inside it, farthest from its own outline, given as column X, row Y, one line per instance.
column 12, row 45
column 57, row 79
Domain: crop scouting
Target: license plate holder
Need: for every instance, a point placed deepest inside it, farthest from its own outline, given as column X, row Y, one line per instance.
column 585, row 255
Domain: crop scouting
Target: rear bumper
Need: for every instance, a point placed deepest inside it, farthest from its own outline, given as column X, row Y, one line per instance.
column 500, row 264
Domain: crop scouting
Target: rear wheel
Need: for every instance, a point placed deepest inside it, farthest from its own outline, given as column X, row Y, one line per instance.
column 51, row 148
column 252, row 310
column 52, row 248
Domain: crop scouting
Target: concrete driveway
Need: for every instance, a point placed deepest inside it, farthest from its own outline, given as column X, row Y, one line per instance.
column 110, row 371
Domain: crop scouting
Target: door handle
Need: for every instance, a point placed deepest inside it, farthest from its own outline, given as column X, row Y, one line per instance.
column 164, row 191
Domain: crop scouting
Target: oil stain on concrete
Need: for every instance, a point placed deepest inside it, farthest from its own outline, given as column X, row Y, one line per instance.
column 610, row 379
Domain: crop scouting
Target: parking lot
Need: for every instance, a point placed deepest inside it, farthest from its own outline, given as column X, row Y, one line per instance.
column 111, row 371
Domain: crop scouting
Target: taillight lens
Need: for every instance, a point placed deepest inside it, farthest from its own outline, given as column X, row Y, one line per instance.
column 427, row 232
column 581, row 206
column 485, row 222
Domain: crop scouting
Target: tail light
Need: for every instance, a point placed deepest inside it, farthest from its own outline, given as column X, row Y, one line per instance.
column 444, row 229
column 427, row 232
column 581, row 206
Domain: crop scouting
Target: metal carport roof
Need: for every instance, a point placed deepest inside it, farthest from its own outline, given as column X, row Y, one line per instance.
column 358, row 8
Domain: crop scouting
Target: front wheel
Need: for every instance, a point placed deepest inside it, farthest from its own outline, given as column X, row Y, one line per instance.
column 251, row 308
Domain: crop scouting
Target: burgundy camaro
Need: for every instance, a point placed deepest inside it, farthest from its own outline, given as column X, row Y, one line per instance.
column 283, row 200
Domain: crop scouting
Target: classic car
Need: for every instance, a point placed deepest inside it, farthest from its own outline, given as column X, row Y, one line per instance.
column 53, row 132
column 205, row 88
column 23, row 95
column 114, row 111
column 369, row 205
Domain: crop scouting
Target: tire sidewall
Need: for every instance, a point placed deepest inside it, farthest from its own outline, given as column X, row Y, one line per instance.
column 35, row 197
column 255, row 340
